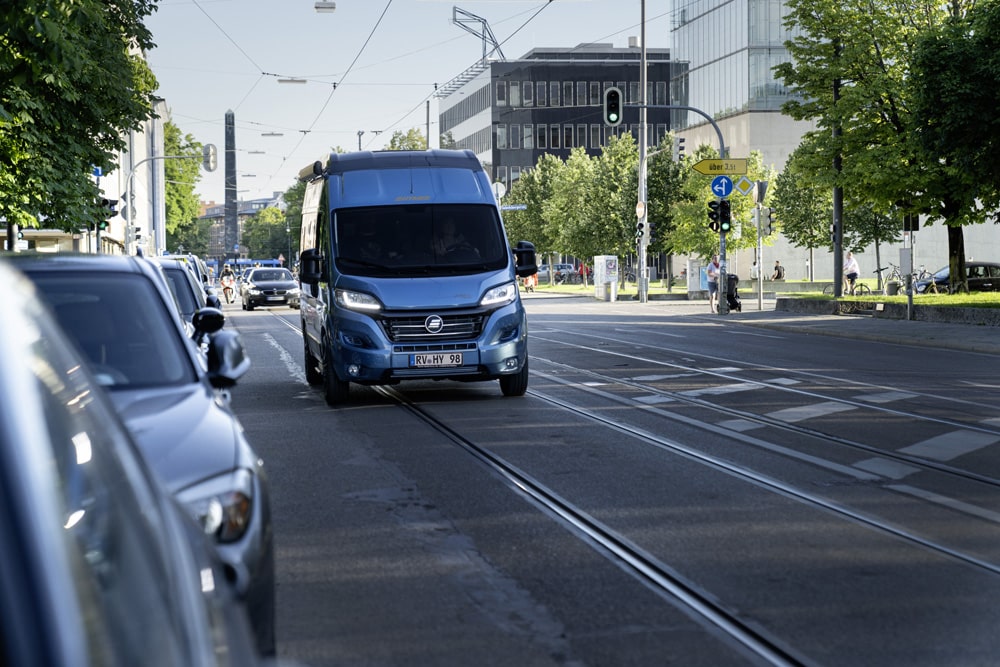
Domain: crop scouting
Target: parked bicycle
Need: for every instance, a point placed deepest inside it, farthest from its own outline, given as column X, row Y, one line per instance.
column 858, row 289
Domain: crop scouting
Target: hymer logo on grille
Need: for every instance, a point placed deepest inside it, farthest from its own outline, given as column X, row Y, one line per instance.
column 434, row 324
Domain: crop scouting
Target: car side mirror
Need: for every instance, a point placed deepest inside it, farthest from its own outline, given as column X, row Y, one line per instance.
column 524, row 259
column 227, row 359
column 311, row 269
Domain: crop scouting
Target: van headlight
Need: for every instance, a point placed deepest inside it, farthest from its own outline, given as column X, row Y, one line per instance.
column 357, row 301
column 500, row 295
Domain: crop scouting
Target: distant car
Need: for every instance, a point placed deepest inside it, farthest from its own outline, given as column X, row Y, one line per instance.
column 982, row 277
column 121, row 314
column 270, row 287
column 563, row 273
column 99, row 565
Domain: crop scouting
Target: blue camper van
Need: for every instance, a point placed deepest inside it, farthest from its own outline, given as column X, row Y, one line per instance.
column 406, row 273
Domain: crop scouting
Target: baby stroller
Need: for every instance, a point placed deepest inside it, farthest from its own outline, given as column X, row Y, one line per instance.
column 733, row 293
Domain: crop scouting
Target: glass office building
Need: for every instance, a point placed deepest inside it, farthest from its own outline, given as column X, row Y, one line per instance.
column 730, row 48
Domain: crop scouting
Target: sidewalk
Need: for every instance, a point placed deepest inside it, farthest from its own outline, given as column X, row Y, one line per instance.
column 947, row 335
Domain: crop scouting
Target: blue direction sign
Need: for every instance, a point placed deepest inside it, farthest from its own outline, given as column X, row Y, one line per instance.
column 722, row 186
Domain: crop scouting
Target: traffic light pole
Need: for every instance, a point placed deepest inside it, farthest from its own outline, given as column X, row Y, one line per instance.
column 723, row 280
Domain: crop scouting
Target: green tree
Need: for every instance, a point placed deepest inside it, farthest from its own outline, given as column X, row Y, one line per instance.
column 865, row 49
column 611, row 199
column 264, row 234
column 293, row 216
column 533, row 189
column 181, row 202
column 72, row 83
column 448, row 141
column 804, row 209
column 411, row 140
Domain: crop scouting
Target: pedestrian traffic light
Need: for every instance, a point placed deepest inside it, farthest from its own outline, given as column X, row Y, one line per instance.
column 640, row 231
column 725, row 216
column 713, row 215
column 108, row 207
column 102, row 225
column 613, row 107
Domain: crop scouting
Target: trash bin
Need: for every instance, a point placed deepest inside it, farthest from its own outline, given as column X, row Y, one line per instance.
column 892, row 288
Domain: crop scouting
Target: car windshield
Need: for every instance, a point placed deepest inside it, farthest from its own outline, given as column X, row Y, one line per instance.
column 122, row 326
column 180, row 285
column 270, row 275
column 419, row 240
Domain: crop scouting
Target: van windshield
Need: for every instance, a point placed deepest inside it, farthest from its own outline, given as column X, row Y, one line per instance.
column 419, row 240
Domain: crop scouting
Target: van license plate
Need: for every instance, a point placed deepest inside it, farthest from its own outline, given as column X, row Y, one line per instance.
column 436, row 360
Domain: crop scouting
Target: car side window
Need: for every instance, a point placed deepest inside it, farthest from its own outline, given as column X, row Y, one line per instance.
column 114, row 536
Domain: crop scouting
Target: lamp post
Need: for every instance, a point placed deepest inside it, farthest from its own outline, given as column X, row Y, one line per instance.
column 288, row 233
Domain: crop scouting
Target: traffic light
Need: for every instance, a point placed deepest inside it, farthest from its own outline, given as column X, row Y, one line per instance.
column 768, row 227
column 108, row 206
column 102, row 225
column 713, row 215
column 725, row 216
column 640, row 231
column 678, row 149
column 613, row 107
column 649, row 232
column 209, row 157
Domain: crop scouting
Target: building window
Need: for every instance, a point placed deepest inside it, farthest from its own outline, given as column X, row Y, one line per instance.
column 501, row 176
column 540, row 89
column 529, row 94
column 581, row 136
column 633, row 92
column 515, row 136
column 581, row 93
column 661, row 93
column 501, row 137
column 554, row 94
column 553, row 136
column 515, row 174
column 595, row 93
column 568, row 135
column 501, row 93
column 595, row 136
column 567, row 94
column 529, row 136
column 515, row 93
column 542, row 136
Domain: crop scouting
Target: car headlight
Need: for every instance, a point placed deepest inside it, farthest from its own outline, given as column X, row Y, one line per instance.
column 357, row 300
column 499, row 295
column 222, row 505
column 292, row 292
column 253, row 290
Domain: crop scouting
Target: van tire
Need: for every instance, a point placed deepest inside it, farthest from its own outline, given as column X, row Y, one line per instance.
column 516, row 384
column 313, row 375
column 335, row 390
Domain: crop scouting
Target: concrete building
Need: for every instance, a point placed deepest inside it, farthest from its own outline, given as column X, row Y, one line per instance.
column 550, row 100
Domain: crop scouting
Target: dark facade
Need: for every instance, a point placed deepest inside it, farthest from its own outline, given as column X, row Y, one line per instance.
column 551, row 101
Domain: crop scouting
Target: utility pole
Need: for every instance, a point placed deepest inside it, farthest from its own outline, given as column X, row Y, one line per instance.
column 641, row 210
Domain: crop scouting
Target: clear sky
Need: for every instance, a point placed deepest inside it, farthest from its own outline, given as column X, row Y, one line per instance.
column 370, row 66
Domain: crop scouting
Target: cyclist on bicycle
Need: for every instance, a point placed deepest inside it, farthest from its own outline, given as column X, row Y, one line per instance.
column 851, row 271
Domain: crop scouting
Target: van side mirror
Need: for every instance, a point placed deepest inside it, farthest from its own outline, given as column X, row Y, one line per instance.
column 311, row 269
column 524, row 259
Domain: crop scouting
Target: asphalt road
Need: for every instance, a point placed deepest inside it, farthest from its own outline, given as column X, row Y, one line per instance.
column 832, row 493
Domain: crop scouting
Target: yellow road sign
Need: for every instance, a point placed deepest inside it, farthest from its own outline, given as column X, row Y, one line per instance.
column 717, row 167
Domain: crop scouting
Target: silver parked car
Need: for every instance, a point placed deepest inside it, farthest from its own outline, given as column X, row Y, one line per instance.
column 121, row 314
column 99, row 565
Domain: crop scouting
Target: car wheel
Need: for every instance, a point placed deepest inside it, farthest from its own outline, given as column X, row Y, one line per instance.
column 516, row 384
column 335, row 390
column 249, row 305
column 313, row 375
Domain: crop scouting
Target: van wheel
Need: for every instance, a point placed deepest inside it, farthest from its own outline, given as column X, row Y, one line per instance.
column 335, row 390
column 313, row 375
column 517, row 384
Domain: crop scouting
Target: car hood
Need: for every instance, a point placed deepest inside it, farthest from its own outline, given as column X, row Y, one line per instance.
column 186, row 434
column 275, row 284
column 458, row 291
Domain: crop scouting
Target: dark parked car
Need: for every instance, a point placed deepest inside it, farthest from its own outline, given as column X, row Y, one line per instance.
column 121, row 314
column 187, row 288
column 99, row 565
column 982, row 276
column 270, row 287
